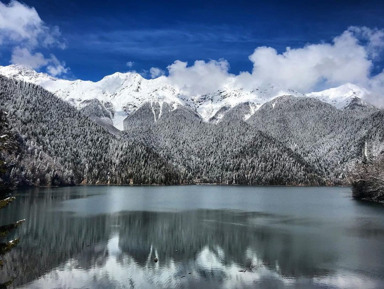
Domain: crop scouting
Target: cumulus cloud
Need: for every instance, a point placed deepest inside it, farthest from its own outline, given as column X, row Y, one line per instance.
column 156, row 72
column 20, row 23
column 372, row 39
column 22, row 29
column 37, row 60
column 130, row 64
column 201, row 77
column 348, row 58
column 344, row 60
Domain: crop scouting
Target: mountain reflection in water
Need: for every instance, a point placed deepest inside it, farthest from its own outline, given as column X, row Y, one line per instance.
column 198, row 248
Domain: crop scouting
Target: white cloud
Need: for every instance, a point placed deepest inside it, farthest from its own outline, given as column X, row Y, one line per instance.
column 20, row 23
column 345, row 60
column 202, row 77
column 349, row 58
column 25, row 57
column 156, row 72
column 22, row 29
column 372, row 39
column 56, row 67
column 37, row 60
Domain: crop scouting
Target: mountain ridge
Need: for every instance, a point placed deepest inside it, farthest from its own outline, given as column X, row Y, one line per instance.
column 123, row 93
column 287, row 141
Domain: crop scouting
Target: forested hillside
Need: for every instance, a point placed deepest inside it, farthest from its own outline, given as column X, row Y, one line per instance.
column 229, row 152
column 331, row 139
column 59, row 145
column 288, row 141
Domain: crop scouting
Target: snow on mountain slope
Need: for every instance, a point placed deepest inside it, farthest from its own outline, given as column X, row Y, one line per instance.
column 341, row 96
column 209, row 104
column 124, row 93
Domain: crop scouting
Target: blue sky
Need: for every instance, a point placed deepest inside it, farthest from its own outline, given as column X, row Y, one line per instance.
column 97, row 38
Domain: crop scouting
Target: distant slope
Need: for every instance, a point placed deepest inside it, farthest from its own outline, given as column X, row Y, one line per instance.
column 332, row 140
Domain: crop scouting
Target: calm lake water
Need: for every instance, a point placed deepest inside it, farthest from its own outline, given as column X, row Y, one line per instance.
column 203, row 237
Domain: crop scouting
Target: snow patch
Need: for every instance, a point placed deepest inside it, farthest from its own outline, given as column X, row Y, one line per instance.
column 118, row 119
column 252, row 109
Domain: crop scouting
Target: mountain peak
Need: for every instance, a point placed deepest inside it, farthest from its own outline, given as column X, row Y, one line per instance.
column 340, row 96
column 22, row 72
column 123, row 75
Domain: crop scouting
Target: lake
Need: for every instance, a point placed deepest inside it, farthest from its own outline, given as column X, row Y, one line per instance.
column 201, row 237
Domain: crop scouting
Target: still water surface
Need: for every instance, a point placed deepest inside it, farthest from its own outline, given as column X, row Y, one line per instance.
column 203, row 237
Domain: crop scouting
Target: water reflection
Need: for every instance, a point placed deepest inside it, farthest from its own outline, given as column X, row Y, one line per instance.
column 195, row 249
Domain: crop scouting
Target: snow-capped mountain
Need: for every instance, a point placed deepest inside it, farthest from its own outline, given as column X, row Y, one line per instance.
column 287, row 140
column 123, row 93
column 341, row 96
